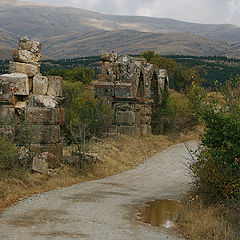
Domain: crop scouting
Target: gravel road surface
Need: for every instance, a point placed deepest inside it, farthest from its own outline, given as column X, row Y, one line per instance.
column 102, row 209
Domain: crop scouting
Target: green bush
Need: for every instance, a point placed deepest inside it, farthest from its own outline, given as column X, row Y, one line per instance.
column 8, row 154
column 77, row 74
column 217, row 169
column 86, row 116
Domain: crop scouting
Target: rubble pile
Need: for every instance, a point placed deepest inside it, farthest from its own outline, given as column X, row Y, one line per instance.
column 24, row 91
column 134, row 89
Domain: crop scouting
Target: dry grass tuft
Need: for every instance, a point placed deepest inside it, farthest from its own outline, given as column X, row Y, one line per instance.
column 199, row 220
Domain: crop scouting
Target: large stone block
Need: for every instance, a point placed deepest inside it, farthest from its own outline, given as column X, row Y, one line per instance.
column 29, row 69
column 125, row 117
column 42, row 101
column 55, row 86
column 6, row 111
column 44, row 115
column 127, row 130
column 40, row 85
column 55, row 149
column 45, row 134
column 145, row 129
column 14, row 83
column 108, row 57
column 29, row 45
column 25, row 56
column 123, row 90
column 124, row 106
column 104, row 89
column 44, row 162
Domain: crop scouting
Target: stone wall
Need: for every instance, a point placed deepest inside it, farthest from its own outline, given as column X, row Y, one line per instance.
column 134, row 89
column 24, row 91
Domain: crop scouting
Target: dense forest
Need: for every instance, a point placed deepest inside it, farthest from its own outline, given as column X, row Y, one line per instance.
column 212, row 68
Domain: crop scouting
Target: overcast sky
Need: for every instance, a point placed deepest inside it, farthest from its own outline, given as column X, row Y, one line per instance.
column 202, row 11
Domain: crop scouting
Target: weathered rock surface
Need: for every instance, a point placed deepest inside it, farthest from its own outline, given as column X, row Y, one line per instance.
column 15, row 84
column 40, row 85
column 25, row 56
column 29, row 69
column 26, row 92
column 55, row 86
column 26, row 44
column 134, row 89
column 42, row 101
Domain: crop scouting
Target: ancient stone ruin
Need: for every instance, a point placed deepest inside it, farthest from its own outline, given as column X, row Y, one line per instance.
column 134, row 88
column 25, row 92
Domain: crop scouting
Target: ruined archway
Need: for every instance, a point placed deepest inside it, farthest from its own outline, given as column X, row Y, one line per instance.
column 140, row 90
column 155, row 118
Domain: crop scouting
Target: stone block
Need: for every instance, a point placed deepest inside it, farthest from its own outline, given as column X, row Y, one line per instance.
column 144, row 129
column 55, row 149
column 29, row 45
column 123, row 106
column 25, row 68
column 7, row 111
column 55, row 86
column 25, row 56
column 8, row 99
column 108, row 57
column 125, row 117
column 123, row 90
column 44, row 115
column 40, row 85
column 45, row 161
column 40, row 163
column 42, row 101
column 45, row 134
column 145, row 119
column 104, row 89
column 14, row 83
column 127, row 130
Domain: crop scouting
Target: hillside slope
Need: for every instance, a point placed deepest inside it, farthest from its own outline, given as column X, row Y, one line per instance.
column 127, row 41
column 74, row 32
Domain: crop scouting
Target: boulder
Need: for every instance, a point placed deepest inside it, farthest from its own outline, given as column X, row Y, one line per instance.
column 43, row 162
column 29, row 45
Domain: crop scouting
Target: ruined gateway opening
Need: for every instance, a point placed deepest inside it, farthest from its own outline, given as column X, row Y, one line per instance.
column 155, row 118
column 140, row 92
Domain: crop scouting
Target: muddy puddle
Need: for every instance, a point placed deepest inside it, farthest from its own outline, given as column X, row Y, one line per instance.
column 159, row 213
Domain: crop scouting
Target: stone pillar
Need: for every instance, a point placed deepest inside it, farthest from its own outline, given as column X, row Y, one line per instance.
column 24, row 91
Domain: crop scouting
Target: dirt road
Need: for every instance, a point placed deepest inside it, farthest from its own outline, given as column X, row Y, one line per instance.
column 102, row 209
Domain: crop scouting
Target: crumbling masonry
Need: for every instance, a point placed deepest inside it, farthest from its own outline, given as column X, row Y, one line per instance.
column 134, row 88
column 24, row 91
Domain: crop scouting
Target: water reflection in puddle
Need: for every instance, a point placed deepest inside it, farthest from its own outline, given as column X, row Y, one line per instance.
column 159, row 213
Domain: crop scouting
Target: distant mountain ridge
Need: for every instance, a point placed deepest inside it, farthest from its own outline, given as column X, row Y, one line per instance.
column 66, row 32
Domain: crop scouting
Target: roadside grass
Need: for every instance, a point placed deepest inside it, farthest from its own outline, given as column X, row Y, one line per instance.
column 200, row 220
column 117, row 154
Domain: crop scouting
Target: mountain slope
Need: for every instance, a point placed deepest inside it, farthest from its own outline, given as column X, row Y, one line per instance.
column 72, row 32
column 127, row 41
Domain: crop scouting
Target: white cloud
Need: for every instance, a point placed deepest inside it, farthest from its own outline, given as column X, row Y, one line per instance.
column 204, row 11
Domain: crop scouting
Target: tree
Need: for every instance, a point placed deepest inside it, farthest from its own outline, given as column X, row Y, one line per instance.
column 77, row 74
column 217, row 168
column 86, row 116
